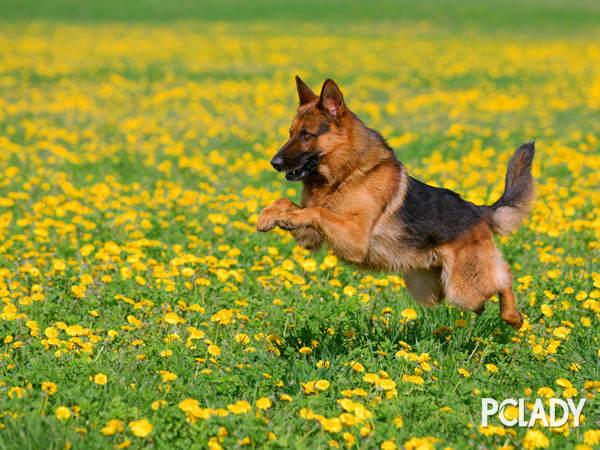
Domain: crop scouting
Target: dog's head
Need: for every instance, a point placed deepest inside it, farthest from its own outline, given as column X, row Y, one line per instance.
column 317, row 130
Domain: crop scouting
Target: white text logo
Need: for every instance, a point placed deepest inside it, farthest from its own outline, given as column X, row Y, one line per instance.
column 555, row 418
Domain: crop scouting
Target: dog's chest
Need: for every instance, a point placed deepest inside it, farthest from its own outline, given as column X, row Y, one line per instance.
column 389, row 252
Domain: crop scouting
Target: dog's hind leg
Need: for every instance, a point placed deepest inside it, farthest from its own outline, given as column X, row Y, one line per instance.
column 473, row 270
column 508, row 305
column 425, row 286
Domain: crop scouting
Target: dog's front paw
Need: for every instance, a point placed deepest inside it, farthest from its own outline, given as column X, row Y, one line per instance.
column 291, row 220
column 266, row 219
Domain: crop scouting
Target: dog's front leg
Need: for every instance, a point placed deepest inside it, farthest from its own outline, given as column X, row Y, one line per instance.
column 308, row 238
column 266, row 219
column 305, row 237
column 347, row 237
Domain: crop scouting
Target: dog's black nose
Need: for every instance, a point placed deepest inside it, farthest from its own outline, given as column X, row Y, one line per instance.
column 277, row 163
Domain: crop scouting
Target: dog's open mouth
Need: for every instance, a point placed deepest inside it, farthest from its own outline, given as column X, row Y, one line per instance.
column 307, row 169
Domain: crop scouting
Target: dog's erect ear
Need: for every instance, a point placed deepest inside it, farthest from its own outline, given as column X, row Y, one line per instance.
column 332, row 99
column 304, row 92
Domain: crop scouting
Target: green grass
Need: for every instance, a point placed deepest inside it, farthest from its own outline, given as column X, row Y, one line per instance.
column 525, row 17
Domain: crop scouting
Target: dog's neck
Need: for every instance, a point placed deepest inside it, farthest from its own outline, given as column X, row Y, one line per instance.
column 361, row 150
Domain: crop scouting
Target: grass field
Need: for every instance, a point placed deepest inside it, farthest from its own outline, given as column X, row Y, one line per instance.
column 140, row 306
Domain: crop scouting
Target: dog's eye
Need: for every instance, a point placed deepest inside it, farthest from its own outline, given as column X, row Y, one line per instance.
column 306, row 135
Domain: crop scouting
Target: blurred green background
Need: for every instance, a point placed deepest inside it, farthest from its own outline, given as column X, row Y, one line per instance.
column 523, row 17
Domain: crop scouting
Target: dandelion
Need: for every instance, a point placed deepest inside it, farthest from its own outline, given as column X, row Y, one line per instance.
column 398, row 421
column 158, row 404
column 59, row 266
column 49, row 387
column 310, row 265
column 167, row 376
column 356, row 366
column 563, row 382
column 332, row 425
column 535, row 439
column 491, row 368
column 387, row 384
column 409, row 314
column 188, row 405
column 415, row 379
column 241, row 407
column 263, row 403
column 112, row 427
column 322, row 385
column 62, row 412
column 242, row 339
column 371, row 378
column 172, row 318
column 349, row 291
column 591, row 437
column 100, row 379
column 141, row 428
column 214, row 351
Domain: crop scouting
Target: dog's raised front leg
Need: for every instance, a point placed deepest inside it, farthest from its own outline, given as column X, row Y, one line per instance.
column 308, row 238
column 348, row 238
column 305, row 237
column 266, row 219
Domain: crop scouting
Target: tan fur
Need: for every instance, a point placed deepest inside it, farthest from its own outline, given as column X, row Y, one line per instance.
column 425, row 286
column 508, row 219
column 351, row 204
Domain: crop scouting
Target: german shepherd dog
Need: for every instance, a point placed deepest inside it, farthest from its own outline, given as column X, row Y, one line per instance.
column 359, row 200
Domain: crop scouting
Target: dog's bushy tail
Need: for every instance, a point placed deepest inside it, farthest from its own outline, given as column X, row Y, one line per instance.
column 506, row 215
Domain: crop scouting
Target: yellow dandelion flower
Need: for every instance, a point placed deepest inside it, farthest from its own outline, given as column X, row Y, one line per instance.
column 241, row 407
column 113, row 426
column 167, row 376
column 387, row 384
column 398, row 421
column 409, row 314
column 263, row 403
column 491, row 368
column 591, row 437
column 100, row 379
column 322, row 385
column 62, row 412
column 535, row 439
column 214, row 351
column 356, row 366
column 349, row 291
column 188, row 405
column 332, row 425
column 141, row 428
column 563, row 382
column 49, row 387
column 172, row 318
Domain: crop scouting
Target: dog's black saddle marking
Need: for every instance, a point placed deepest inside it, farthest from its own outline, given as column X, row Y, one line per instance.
column 433, row 216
